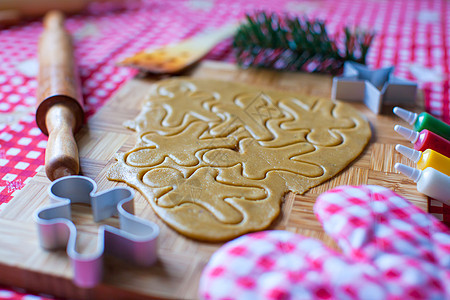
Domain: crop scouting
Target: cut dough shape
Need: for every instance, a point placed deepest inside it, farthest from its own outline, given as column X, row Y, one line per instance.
column 156, row 147
column 258, row 160
column 214, row 159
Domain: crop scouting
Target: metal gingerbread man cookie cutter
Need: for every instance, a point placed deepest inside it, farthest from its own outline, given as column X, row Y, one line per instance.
column 134, row 242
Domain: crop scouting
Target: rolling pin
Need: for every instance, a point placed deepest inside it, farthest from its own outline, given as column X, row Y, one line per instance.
column 59, row 111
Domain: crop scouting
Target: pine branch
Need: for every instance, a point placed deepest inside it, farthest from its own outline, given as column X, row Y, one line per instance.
column 291, row 43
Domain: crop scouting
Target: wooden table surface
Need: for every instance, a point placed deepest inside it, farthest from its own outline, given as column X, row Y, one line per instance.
column 180, row 260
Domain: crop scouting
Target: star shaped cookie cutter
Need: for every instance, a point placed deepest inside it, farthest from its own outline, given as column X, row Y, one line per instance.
column 134, row 242
column 374, row 87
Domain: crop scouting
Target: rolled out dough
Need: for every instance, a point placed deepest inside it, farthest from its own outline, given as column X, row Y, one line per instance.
column 214, row 159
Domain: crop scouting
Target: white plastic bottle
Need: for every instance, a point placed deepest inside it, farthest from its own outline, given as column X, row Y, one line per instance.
column 430, row 182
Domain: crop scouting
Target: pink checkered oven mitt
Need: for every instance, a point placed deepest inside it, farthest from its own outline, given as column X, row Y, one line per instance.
column 390, row 250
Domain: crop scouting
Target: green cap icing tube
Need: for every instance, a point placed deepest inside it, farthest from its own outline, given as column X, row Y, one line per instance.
column 424, row 121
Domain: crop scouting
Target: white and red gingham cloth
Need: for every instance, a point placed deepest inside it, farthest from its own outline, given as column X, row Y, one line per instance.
column 390, row 250
column 413, row 35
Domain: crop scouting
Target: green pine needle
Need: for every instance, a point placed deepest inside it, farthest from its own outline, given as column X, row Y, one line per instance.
column 292, row 43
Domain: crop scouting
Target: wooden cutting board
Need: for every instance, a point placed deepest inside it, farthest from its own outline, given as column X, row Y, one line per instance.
column 180, row 260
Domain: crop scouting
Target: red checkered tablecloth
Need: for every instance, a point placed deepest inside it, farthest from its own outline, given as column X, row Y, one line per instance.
column 413, row 35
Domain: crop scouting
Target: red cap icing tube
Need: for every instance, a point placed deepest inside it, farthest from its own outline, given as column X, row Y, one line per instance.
column 425, row 140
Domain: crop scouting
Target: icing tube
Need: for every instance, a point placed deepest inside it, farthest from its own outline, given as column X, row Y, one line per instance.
column 430, row 182
column 425, row 140
column 424, row 121
column 427, row 158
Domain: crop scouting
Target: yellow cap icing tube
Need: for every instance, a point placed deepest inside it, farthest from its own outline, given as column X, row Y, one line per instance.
column 427, row 158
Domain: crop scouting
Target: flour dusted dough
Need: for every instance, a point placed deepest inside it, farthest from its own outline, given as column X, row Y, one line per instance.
column 214, row 159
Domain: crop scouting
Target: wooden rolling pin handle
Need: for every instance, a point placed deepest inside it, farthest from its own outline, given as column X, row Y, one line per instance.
column 61, row 156
column 60, row 108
